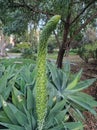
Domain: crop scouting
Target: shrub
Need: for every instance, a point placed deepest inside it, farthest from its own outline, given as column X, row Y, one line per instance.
column 20, row 48
column 88, row 51
column 52, row 44
column 26, row 50
column 50, row 48
column 23, row 46
column 28, row 53
column 14, row 50
column 73, row 51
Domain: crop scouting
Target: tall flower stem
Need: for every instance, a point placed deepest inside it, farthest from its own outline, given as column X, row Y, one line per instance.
column 41, row 79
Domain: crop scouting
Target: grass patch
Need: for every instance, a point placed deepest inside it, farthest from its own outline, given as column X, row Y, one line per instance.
column 73, row 51
column 52, row 56
column 19, row 62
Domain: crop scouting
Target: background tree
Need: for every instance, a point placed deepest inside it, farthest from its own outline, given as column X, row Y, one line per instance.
column 75, row 15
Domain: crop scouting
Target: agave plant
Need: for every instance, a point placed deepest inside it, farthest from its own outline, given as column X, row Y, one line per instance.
column 26, row 78
column 7, row 77
column 34, row 106
column 64, row 85
column 21, row 114
column 23, row 103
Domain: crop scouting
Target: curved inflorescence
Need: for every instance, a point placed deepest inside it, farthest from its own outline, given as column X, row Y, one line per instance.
column 41, row 80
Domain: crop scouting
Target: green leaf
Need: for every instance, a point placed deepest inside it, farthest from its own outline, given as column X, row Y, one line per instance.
column 14, row 114
column 54, row 75
column 76, row 114
column 66, row 67
column 3, row 83
column 9, row 112
column 60, row 116
column 83, row 85
column 86, row 99
column 31, row 119
column 50, row 119
column 64, row 80
column 26, row 74
column 18, row 99
column 7, row 91
column 52, row 91
column 74, row 125
column 21, row 83
column 30, row 99
column 75, row 81
column 19, row 115
column 82, row 104
column 57, row 107
column 4, row 118
column 12, row 126
column 59, row 127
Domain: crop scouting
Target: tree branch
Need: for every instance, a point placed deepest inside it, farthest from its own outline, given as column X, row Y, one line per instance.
column 57, row 39
column 30, row 7
column 91, row 2
column 83, row 25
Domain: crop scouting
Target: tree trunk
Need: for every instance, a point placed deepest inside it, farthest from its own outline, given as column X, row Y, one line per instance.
column 63, row 47
column 60, row 57
column 65, row 43
column 63, row 50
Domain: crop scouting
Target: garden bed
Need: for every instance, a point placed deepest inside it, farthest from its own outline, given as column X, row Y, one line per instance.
column 89, row 71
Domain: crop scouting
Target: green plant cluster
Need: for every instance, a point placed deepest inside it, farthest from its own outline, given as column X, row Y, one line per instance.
column 43, row 97
column 52, row 44
column 73, row 51
column 20, row 48
column 14, row 50
column 18, row 62
column 25, row 49
column 23, row 46
column 18, row 99
column 88, row 51
column 28, row 53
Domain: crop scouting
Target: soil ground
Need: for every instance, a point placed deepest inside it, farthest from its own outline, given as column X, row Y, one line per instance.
column 89, row 71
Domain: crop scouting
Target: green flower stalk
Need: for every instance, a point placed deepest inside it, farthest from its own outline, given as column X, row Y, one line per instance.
column 41, row 79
